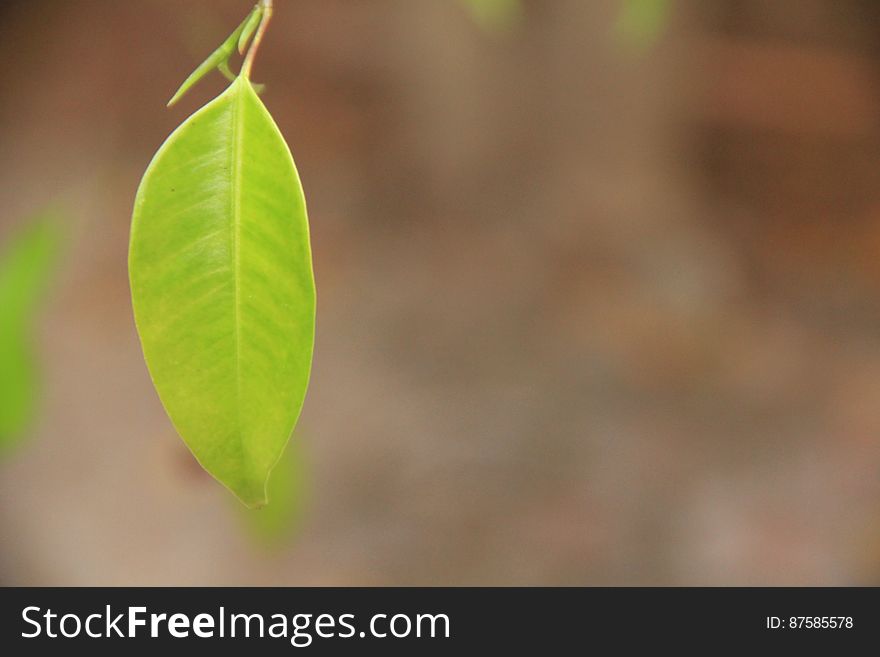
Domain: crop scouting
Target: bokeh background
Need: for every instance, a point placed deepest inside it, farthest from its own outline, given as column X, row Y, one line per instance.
column 599, row 293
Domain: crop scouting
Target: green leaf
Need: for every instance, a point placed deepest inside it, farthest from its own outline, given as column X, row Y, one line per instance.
column 219, row 59
column 495, row 15
column 642, row 22
column 26, row 266
column 222, row 287
column 288, row 493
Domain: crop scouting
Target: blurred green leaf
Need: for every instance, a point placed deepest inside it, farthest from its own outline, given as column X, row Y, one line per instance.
column 288, row 489
column 495, row 15
column 642, row 22
column 26, row 265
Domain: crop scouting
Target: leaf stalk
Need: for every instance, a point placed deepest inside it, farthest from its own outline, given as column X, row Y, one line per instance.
column 248, row 64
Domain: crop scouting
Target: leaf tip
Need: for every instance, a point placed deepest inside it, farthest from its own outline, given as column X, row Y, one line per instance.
column 174, row 98
column 255, row 504
column 252, row 492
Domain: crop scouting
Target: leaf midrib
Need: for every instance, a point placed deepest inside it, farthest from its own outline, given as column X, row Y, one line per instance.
column 235, row 182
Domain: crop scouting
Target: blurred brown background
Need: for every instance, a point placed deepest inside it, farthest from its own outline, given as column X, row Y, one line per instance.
column 590, row 312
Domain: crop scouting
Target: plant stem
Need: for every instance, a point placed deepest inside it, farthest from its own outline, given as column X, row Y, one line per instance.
column 258, row 38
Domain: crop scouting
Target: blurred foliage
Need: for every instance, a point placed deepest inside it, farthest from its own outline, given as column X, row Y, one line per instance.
column 495, row 15
column 26, row 265
column 278, row 521
column 641, row 23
